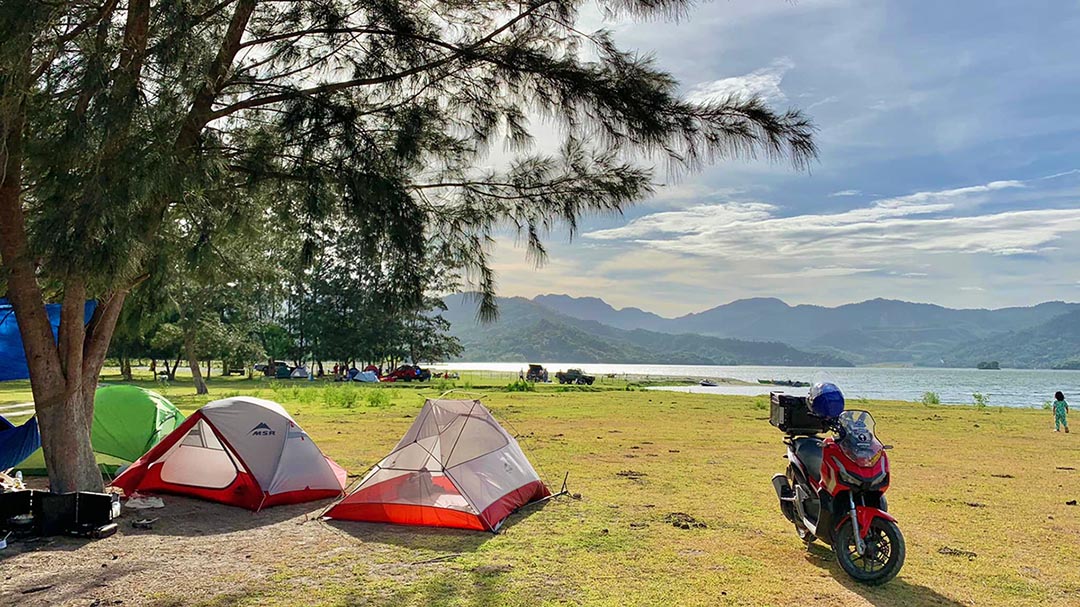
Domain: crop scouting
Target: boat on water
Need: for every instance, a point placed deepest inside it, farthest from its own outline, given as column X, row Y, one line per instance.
column 785, row 382
column 707, row 383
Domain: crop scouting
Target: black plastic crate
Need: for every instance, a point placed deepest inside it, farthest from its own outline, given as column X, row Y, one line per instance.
column 71, row 512
column 792, row 415
column 54, row 513
column 15, row 503
column 94, row 508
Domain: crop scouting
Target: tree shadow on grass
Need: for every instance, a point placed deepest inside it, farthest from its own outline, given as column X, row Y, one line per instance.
column 477, row 588
column 82, row 585
column 896, row 593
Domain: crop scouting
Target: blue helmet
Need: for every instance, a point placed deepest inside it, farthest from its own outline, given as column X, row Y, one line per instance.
column 826, row 400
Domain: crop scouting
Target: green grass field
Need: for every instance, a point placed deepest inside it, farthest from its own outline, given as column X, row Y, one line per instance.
column 980, row 495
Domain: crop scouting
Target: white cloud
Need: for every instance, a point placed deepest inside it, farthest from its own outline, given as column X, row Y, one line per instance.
column 821, row 272
column 842, row 193
column 679, row 194
column 763, row 82
column 944, row 221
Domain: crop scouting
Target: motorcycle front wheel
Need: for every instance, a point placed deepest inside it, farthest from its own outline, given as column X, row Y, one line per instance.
column 883, row 557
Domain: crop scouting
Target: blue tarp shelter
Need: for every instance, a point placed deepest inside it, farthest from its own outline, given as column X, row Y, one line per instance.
column 12, row 357
column 17, row 442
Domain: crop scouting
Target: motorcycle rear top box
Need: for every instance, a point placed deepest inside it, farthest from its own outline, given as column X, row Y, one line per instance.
column 791, row 414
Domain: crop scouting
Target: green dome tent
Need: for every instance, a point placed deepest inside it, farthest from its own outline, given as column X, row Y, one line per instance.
column 128, row 421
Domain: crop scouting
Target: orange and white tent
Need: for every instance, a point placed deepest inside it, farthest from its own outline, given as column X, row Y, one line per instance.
column 455, row 467
column 242, row 451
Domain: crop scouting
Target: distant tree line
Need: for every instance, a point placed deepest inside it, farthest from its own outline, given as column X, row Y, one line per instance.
column 326, row 299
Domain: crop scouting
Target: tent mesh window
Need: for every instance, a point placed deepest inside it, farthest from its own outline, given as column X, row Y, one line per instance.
column 200, row 460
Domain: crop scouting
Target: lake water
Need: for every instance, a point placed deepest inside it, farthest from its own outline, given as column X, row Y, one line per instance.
column 1007, row 387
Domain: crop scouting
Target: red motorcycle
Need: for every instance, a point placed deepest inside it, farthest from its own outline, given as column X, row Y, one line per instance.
column 834, row 488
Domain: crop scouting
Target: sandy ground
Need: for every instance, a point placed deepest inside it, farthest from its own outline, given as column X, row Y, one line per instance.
column 186, row 546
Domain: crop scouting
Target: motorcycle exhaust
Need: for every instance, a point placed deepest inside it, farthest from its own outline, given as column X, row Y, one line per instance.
column 786, row 496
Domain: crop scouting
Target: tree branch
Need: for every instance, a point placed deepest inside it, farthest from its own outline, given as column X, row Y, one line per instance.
column 105, row 10
column 457, row 52
column 200, row 112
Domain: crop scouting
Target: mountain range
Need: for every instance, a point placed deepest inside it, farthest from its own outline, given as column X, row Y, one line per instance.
column 877, row 331
column 529, row 331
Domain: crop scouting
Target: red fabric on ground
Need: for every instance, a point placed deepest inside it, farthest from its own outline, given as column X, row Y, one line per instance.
column 405, row 514
column 505, row 505
column 352, row 509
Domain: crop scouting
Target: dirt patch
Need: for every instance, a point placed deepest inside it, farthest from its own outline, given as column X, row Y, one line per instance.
column 976, row 504
column 493, row 569
column 683, row 520
column 192, row 550
column 1002, row 476
column 957, row 552
column 1065, row 468
column 633, row 475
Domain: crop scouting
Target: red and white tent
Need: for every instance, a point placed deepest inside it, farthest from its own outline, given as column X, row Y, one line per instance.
column 455, row 467
column 242, row 451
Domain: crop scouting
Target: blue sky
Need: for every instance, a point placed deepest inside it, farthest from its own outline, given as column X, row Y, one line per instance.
column 949, row 169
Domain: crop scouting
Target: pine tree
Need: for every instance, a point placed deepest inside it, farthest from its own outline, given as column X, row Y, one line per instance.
column 126, row 123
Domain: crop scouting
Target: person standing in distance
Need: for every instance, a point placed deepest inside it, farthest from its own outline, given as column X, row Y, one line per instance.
column 1061, row 411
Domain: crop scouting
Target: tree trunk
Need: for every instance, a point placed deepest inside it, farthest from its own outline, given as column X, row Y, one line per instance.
column 125, row 367
column 175, row 366
column 65, row 443
column 63, row 406
column 193, row 363
column 208, row 368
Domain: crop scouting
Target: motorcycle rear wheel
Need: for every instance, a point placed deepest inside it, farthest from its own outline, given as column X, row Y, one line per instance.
column 884, row 555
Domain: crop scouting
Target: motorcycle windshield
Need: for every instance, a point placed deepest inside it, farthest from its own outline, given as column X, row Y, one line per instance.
column 857, row 439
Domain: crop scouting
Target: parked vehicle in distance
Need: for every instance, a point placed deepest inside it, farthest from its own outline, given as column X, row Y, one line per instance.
column 575, row 376
column 536, row 373
column 707, row 383
column 407, row 373
column 277, row 369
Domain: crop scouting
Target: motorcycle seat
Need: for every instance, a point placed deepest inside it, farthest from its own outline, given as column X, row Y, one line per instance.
column 809, row 452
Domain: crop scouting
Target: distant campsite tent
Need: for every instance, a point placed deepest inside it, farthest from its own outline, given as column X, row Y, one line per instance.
column 128, row 421
column 367, row 377
column 12, row 356
column 300, row 372
column 455, row 467
column 242, row 451
column 17, row 442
